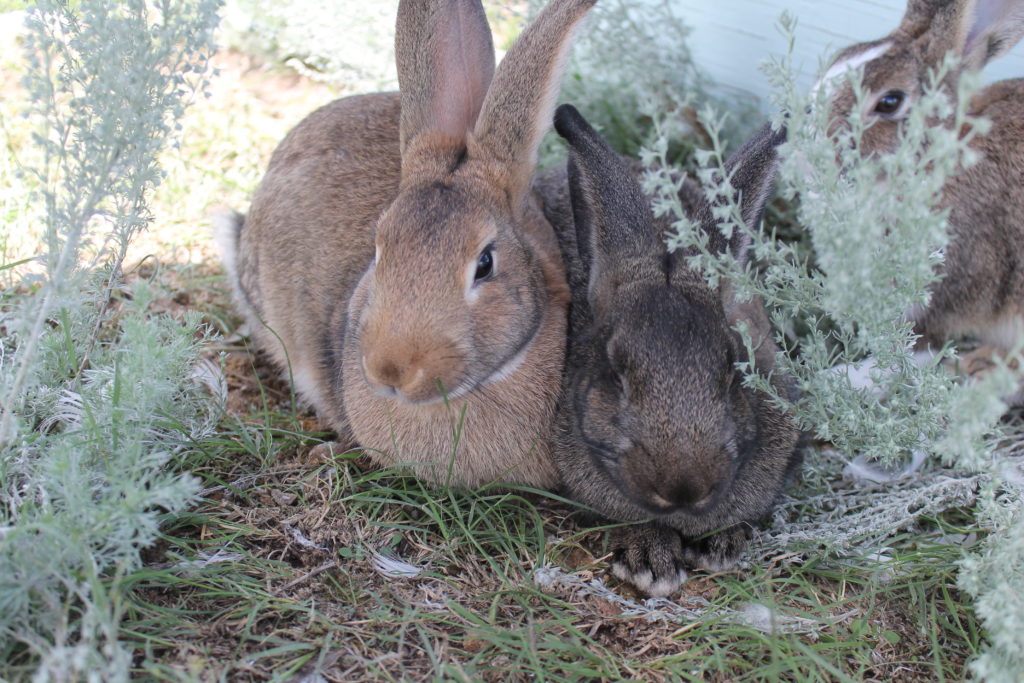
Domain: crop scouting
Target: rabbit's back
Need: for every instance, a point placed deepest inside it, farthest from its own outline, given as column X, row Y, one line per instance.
column 309, row 235
column 982, row 291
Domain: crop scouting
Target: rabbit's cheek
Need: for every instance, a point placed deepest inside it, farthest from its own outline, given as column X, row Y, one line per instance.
column 600, row 421
column 359, row 304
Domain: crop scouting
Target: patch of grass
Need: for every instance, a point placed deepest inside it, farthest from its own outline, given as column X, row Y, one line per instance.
column 280, row 573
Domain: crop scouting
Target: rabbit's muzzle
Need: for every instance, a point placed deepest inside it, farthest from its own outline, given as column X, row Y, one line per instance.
column 667, row 483
column 409, row 371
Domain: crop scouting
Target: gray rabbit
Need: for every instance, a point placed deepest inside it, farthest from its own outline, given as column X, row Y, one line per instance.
column 656, row 424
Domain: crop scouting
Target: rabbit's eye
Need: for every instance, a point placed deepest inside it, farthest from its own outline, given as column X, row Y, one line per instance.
column 621, row 385
column 484, row 264
column 890, row 103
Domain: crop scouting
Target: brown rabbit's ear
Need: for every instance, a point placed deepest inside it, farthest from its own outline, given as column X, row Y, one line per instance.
column 518, row 108
column 445, row 64
column 978, row 31
column 992, row 29
column 614, row 226
column 921, row 15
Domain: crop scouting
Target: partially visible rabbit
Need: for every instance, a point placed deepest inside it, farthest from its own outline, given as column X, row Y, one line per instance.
column 396, row 261
column 657, row 424
column 981, row 293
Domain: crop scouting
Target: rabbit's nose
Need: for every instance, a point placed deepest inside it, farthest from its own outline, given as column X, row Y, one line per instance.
column 411, row 374
column 667, row 496
column 382, row 380
column 690, row 492
column 388, row 377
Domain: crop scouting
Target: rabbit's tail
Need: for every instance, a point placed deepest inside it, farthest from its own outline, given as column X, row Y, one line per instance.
column 227, row 231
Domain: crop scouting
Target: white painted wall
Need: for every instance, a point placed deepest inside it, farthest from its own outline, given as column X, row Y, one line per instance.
column 731, row 37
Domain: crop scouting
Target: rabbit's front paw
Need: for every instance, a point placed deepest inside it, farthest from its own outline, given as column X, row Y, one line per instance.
column 719, row 551
column 650, row 557
column 984, row 360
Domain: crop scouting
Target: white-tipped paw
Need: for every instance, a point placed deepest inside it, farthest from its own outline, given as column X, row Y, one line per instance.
column 719, row 551
column 654, row 558
column 650, row 557
column 647, row 584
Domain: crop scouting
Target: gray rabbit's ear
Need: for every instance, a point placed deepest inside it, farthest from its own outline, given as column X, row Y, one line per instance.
column 445, row 63
column 751, row 171
column 614, row 225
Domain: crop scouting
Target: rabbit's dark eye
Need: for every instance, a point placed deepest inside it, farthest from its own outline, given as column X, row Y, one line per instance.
column 621, row 386
column 484, row 264
column 890, row 103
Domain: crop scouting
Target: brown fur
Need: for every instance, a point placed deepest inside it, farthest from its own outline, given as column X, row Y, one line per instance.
column 656, row 423
column 981, row 293
column 408, row 354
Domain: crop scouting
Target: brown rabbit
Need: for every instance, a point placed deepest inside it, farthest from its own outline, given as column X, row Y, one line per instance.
column 396, row 262
column 981, row 293
column 657, row 424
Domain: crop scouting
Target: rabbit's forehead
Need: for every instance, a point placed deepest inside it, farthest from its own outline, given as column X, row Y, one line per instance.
column 896, row 69
column 883, row 66
column 679, row 378
column 437, row 215
column 670, row 355
column 852, row 59
column 654, row 333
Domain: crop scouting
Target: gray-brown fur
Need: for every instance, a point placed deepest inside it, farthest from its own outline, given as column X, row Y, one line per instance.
column 656, row 423
column 357, row 264
column 981, row 293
